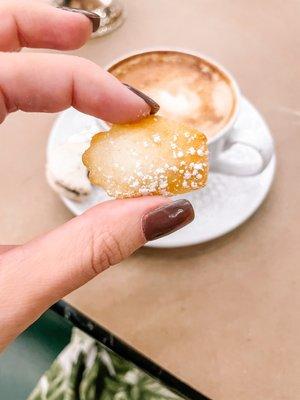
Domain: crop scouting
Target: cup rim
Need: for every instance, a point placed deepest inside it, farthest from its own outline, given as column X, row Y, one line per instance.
column 197, row 54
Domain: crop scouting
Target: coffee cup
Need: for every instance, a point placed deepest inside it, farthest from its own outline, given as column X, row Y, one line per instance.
column 194, row 89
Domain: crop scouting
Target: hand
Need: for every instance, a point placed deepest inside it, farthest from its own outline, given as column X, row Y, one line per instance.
column 35, row 275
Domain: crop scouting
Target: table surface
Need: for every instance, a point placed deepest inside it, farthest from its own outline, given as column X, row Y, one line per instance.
column 223, row 316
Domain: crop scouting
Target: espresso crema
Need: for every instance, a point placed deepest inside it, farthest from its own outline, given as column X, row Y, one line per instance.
column 187, row 88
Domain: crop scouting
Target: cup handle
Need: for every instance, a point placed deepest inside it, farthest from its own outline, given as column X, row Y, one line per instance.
column 263, row 144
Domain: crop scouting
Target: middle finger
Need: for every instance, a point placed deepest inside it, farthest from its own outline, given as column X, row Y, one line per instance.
column 37, row 25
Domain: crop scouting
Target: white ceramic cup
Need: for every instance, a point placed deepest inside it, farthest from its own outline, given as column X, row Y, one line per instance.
column 229, row 135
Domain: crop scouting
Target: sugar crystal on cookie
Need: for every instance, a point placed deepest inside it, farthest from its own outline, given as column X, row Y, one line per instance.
column 158, row 156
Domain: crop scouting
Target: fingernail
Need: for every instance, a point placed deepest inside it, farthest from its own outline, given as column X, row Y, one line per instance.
column 93, row 17
column 167, row 219
column 151, row 103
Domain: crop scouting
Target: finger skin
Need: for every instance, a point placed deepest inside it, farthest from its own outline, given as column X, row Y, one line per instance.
column 36, row 275
column 5, row 248
column 35, row 24
column 54, row 82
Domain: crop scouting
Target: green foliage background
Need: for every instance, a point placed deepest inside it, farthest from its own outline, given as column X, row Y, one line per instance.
column 86, row 370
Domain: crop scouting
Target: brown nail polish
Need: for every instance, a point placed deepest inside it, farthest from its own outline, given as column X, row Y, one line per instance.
column 167, row 219
column 153, row 105
column 93, row 17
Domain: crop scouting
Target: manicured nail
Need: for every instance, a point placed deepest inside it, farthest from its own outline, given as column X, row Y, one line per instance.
column 167, row 219
column 151, row 103
column 93, row 17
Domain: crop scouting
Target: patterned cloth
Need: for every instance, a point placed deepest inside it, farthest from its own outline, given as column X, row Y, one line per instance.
column 86, row 370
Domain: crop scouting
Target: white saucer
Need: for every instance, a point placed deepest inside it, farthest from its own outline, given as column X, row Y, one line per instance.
column 224, row 204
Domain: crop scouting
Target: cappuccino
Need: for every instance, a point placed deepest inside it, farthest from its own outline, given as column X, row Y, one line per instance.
column 188, row 89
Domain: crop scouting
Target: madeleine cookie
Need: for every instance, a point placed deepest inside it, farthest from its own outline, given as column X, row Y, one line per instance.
column 65, row 171
column 154, row 156
column 66, row 174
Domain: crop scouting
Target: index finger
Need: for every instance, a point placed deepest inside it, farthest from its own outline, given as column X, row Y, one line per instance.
column 54, row 82
column 39, row 25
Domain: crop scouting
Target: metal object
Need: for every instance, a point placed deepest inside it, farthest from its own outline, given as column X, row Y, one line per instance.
column 111, row 12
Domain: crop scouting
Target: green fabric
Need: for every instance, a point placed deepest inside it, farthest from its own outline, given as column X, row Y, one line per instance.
column 86, row 370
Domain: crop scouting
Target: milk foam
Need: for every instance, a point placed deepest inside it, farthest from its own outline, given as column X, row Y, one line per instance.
column 181, row 104
column 187, row 88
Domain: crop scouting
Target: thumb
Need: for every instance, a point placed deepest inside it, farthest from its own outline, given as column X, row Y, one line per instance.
column 36, row 275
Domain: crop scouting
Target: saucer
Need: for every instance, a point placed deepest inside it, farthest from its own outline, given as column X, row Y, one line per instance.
column 224, row 204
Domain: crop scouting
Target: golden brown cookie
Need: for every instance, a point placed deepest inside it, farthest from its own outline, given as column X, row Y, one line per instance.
column 154, row 156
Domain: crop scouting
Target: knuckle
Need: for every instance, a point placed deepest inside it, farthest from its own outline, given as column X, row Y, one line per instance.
column 105, row 251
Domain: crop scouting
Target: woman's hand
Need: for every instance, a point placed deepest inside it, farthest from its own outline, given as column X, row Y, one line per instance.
column 35, row 275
